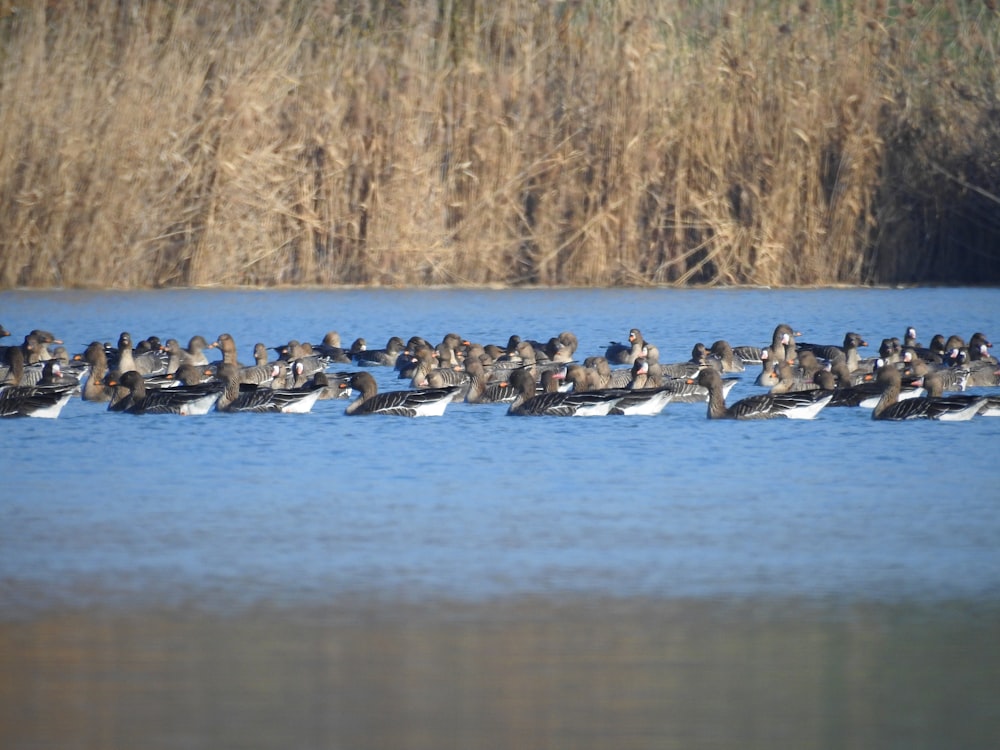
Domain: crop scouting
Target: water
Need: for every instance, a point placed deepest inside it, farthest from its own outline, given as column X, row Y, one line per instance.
column 477, row 580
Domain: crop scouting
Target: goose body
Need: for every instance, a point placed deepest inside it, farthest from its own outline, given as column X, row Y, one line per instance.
column 261, row 399
column 941, row 408
column 421, row 402
column 45, row 402
column 585, row 404
column 184, row 400
column 793, row 405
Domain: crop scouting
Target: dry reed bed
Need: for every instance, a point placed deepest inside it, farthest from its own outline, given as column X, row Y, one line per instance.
column 516, row 142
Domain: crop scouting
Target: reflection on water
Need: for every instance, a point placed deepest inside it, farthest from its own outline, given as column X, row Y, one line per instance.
column 533, row 673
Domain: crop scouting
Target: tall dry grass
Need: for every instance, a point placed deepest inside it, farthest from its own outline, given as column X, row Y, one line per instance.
column 510, row 142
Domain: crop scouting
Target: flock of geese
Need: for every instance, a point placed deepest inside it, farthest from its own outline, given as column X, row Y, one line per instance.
column 798, row 380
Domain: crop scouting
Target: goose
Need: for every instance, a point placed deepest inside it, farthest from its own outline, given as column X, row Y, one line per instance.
column 585, row 404
column 848, row 351
column 330, row 348
column 435, row 362
column 94, row 387
column 484, row 391
column 421, row 402
column 385, row 357
column 768, row 376
column 794, row 405
column 943, row 408
column 635, row 401
column 148, row 362
column 727, row 357
column 259, row 374
column 185, row 400
column 625, row 354
column 237, row 397
column 562, row 348
column 45, row 402
column 690, row 369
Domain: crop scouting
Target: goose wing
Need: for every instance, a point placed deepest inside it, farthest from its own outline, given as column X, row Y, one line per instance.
column 586, row 403
column 793, row 405
column 412, row 403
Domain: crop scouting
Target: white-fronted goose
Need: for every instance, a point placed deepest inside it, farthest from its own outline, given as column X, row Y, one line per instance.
column 385, row 357
column 635, row 400
column 945, row 409
column 36, row 346
column 429, row 362
column 450, row 350
column 798, row 378
column 147, row 362
column 982, row 366
column 783, row 344
column 848, row 393
column 730, row 362
column 422, row 402
column 689, row 369
column 193, row 354
column 331, row 349
column 260, row 374
column 406, row 363
column 794, row 405
column 603, row 375
column 625, row 354
column 94, row 387
column 847, row 352
column 586, row 404
column 768, row 376
column 45, row 402
column 183, row 400
column 682, row 390
column 562, row 348
column 952, row 377
column 237, row 397
column 483, row 390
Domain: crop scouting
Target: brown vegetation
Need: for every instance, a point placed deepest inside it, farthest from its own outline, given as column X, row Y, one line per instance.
column 584, row 142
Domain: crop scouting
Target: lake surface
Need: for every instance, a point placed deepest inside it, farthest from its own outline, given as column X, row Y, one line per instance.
column 481, row 581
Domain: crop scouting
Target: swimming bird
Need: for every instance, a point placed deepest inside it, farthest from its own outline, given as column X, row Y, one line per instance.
column 259, row 374
column 33, row 401
column 193, row 354
column 943, row 408
column 331, row 349
column 237, row 397
column 385, row 357
column 147, row 362
column 95, row 387
column 435, row 362
column 585, row 404
column 690, row 369
column 847, row 352
column 421, row 402
column 562, row 348
column 184, row 400
column 625, row 354
column 44, row 399
column 793, row 405
column 483, row 390
column 635, row 401
column 727, row 357
column 769, row 362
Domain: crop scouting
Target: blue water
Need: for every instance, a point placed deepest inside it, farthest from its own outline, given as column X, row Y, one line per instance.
column 232, row 510
column 483, row 581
